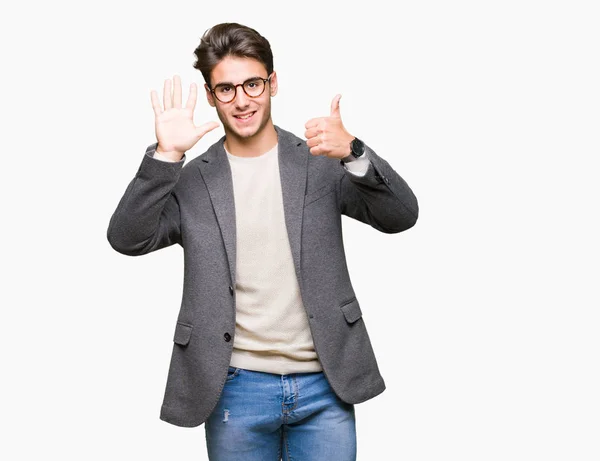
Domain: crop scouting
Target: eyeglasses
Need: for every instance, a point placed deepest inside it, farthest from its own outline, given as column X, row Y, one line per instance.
column 253, row 87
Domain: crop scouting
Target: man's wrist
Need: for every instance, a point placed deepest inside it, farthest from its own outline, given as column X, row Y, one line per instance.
column 356, row 150
column 174, row 156
column 349, row 158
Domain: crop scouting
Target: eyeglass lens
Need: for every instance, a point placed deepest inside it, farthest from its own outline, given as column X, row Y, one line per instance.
column 252, row 88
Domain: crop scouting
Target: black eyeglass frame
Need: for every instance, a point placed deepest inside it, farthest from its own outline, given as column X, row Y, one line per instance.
column 265, row 80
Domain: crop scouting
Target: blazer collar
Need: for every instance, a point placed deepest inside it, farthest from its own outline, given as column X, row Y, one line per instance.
column 293, row 162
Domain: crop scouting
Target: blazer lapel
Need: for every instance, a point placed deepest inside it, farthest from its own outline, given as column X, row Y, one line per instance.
column 293, row 164
column 216, row 172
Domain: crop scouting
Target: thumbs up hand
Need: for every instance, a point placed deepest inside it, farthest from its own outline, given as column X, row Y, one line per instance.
column 327, row 135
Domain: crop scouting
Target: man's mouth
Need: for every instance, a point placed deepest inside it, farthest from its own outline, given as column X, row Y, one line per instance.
column 245, row 116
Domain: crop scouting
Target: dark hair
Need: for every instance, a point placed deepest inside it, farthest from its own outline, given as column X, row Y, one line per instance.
column 231, row 39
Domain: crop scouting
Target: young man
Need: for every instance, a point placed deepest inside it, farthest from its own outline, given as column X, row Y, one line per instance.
column 270, row 347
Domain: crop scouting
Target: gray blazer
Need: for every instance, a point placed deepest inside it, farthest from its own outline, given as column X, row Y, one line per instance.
column 167, row 203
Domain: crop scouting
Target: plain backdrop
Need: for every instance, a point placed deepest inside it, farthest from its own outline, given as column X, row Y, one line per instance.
column 484, row 316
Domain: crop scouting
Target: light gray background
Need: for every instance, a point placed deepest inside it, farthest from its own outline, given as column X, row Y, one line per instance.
column 484, row 316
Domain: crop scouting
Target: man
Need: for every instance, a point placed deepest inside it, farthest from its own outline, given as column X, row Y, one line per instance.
column 270, row 347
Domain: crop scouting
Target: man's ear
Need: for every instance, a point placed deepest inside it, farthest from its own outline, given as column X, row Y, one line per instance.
column 209, row 96
column 273, row 84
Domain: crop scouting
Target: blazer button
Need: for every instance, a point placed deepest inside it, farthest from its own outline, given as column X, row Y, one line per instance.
column 230, row 290
column 227, row 337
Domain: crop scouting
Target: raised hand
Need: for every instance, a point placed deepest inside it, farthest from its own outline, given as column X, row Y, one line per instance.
column 327, row 135
column 174, row 126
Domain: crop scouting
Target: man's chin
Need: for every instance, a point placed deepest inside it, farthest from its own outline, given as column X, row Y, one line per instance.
column 243, row 132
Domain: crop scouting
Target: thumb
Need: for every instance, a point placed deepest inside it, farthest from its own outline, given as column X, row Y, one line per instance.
column 205, row 128
column 335, row 106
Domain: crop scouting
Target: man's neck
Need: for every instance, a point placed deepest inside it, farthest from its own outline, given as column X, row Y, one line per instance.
column 254, row 146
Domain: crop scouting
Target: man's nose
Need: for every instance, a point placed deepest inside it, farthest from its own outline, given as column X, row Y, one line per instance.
column 241, row 98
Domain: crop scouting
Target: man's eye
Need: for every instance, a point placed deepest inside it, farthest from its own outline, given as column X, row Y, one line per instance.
column 224, row 89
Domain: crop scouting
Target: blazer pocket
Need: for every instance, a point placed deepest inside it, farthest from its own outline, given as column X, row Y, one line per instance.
column 183, row 332
column 351, row 310
column 317, row 194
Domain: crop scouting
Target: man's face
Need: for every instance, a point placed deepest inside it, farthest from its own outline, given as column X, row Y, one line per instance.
column 234, row 70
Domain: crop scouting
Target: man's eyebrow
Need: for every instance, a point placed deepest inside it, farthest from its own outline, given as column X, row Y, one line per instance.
column 231, row 83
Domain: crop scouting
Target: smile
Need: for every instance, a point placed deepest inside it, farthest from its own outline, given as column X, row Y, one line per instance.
column 245, row 116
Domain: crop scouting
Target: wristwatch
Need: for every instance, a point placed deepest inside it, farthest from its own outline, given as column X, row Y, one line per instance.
column 357, row 148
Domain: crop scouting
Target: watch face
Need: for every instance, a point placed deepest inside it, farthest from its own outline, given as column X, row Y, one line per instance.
column 358, row 147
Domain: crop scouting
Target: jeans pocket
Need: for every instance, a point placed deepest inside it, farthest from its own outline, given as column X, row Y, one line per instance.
column 232, row 372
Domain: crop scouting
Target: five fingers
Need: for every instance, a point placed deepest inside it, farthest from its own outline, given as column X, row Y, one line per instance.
column 174, row 100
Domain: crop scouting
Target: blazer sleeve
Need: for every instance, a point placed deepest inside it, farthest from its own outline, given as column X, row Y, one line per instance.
column 147, row 217
column 380, row 198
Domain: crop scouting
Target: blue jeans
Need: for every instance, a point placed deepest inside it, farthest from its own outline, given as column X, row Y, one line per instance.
column 268, row 417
